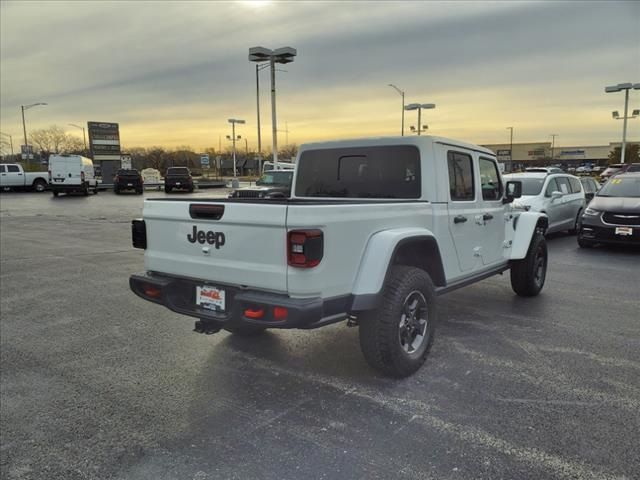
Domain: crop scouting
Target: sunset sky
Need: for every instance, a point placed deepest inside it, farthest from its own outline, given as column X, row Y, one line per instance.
column 172, row 73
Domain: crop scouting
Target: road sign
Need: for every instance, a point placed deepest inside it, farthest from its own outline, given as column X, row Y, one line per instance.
column 27, row 152
column 204, row 160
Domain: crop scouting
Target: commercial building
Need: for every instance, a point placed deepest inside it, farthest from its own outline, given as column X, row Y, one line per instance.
column 539, row 154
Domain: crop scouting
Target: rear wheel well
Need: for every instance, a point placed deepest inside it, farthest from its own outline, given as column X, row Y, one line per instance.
column 422, row 253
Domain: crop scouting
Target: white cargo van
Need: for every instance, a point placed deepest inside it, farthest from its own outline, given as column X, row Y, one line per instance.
column 71, row 174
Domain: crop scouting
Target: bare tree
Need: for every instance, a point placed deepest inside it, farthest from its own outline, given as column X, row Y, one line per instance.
column 55, row 140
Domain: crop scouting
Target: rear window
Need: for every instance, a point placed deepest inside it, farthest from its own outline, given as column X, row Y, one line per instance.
column 178, row 171
column 127, row 172
column 369, row 172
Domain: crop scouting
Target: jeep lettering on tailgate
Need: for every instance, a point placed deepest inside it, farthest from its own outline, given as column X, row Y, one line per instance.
column 210, row 237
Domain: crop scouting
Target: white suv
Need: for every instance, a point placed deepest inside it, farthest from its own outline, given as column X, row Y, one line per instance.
column 558, row 195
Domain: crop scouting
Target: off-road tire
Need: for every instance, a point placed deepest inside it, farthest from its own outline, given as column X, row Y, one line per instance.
column 39, row 185
column 528, row 275
column 576, row 228
column 246, row 330
column 381, row 328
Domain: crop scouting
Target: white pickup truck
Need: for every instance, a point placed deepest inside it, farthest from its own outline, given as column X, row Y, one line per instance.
column 373, row 232
column 13, row 176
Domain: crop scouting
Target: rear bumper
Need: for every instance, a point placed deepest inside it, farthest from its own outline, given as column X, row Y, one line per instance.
column 61, row 187
column 184, row 183
column 178, row 294
column 135, row 185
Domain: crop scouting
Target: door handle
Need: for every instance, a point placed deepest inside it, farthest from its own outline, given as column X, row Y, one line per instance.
column 459, row 219
column 487, row 216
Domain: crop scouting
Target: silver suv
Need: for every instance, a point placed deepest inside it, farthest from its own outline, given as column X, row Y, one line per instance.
column 558, row 195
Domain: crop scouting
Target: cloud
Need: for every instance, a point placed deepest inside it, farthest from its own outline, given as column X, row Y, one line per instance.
column 172, row 72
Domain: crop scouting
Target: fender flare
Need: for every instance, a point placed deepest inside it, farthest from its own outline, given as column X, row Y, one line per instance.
column 379, row 256
column 525, row 226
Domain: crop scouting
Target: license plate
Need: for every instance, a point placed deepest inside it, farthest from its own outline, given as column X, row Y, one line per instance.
column 58, row 179
column 210, row 298
column 624, row 231
column 178, row 183
column 129, row 184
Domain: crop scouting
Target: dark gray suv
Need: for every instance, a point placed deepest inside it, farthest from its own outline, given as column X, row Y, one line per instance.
column 613, row 216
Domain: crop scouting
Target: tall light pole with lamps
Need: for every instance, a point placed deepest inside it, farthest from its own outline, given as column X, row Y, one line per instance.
column 419, row 107
column 510, row 148
column 401, row 92
column 618, row 88
column 553, row 143
column 279, row 55
column 233, row 122
column 24, row 125
column 84, row 137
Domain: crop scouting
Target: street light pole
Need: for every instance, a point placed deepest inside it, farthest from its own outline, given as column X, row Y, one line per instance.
column 401, row 92
column 419, row 107
column 233, row 122
column 24, row 125
column 510, row 148
column 279, row 55
column 553, row 143
column 618, row 88
column 84, row 137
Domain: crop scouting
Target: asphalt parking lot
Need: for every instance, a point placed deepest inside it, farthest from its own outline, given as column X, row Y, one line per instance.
column 98, row 384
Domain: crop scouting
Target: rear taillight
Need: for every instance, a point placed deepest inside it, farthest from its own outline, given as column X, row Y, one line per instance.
column 305, row 248
column 49, row 175
column 82, row 176
column 139, row 234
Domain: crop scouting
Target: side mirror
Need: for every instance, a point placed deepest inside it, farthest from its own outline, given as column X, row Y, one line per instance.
column 513, row 190
column 556, row 195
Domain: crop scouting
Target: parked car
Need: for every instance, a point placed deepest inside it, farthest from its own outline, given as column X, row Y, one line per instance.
column 632, row 168
column 584, row 169
column 178, row 177
column 128, row 180
column 71, row 174
column 373, row 232
column 151, row 177
column 590, row 186
column 558, row 195
column 597, row 169
column 273, row 184
column 613, row 216
column 544, row 169
column 13, row 177
column 612, row 169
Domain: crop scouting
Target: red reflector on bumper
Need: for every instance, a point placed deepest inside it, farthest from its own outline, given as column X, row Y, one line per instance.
column 280, row 313
column 254, row 313
column 151, row 291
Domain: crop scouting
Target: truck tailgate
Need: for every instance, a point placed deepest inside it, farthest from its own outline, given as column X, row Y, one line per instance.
column 246, row 246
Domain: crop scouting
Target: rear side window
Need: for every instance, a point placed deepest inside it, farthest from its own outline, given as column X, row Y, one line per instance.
column 370, row 172
column 490, row 180
column 460, row 176
column 575, row 185
column 589, row 186
column 12, row 169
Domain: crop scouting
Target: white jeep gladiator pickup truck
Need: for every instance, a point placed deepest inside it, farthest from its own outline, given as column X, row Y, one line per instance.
column 373, row 232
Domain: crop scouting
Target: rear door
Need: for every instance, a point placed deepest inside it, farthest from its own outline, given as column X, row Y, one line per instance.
column 465, row 214
column 220, row 242
column 3, row 175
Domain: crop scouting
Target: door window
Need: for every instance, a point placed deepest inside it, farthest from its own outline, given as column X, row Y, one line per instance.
column 1, row 168
column 13, row 169
column 490, row 180
column 575, row 185
column 563, row 183
column 461, row 185
column 552, row 186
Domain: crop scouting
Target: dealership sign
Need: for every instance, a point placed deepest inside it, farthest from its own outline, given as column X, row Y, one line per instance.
column 104, row 140
column 27, row 152
column 504, row 155
column 204, row 160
